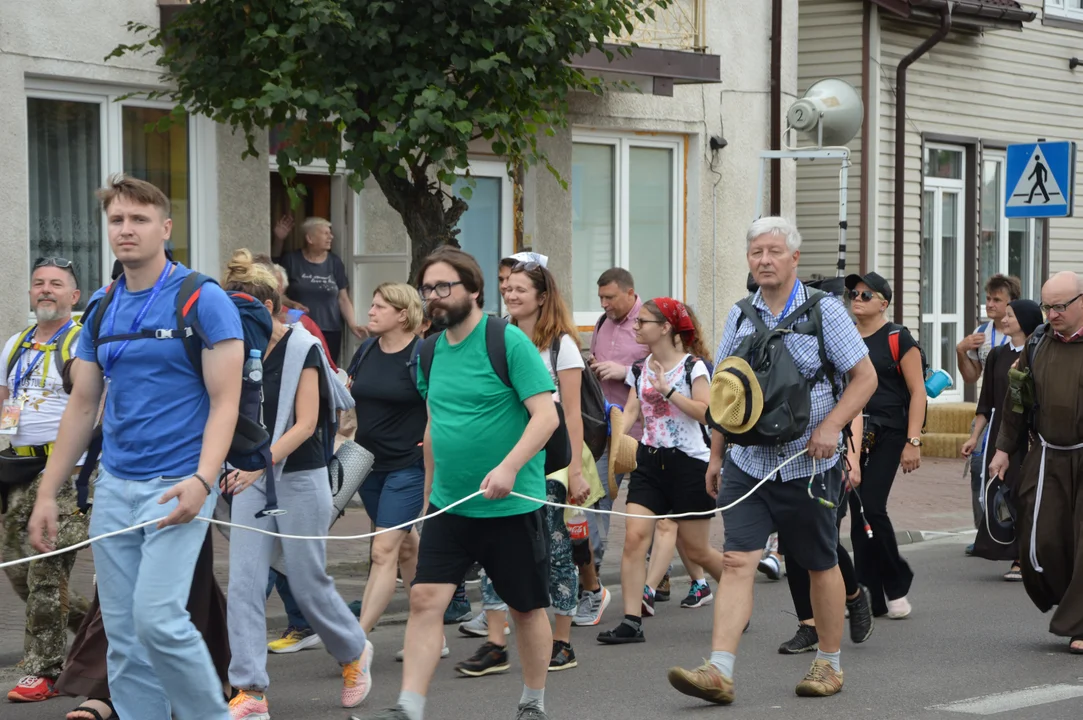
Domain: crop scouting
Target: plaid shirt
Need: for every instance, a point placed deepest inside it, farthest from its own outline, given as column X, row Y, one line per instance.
column 844, row 348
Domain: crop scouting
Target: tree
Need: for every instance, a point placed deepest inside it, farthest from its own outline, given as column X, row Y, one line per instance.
column 390, row 89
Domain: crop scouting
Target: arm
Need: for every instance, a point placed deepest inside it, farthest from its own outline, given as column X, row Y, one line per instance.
column 631, row 410
column 853, row 450
column 282, row 230
column 543, row 421
column 911, row 369
column 306, row 410
column 982, row 412
column 429, row 465
column 570, row 383
column 714, row 467
column 969, row 368
column 346, row 306
column 862, row 384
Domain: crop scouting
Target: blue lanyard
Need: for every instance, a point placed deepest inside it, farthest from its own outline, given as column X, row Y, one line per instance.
column 993, row 338
column 111, row 356
column 25, row 372
column 790, row 302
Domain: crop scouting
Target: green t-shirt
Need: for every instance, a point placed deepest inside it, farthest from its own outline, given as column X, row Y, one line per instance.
column 476, row 420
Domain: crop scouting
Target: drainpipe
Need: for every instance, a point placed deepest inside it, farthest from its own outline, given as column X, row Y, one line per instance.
column 776, row 105
column 900, row 146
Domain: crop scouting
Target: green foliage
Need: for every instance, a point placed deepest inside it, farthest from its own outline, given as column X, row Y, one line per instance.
column 390, row 89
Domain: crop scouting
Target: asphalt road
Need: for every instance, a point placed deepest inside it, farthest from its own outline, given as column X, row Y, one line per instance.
column 973, row 640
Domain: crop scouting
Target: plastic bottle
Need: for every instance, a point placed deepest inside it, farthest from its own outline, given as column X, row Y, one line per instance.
column 253, row 367
column 578, row 529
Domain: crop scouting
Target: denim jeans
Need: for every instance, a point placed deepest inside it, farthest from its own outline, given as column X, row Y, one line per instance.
column 158, row 663
column 295, row 618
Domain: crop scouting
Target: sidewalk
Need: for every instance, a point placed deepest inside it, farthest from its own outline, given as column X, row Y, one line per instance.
column 935, row 498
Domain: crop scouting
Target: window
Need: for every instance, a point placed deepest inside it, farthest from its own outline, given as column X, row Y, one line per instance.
column 77, row 139
column 1072, row 9
column 486, row 228
column 626, row 212
column 1008, row 246
column 942, row 260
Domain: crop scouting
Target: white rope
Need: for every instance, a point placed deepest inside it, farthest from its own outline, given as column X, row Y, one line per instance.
column 403, row 526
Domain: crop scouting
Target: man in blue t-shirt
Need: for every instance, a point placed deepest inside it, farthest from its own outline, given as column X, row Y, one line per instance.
column 166, row 433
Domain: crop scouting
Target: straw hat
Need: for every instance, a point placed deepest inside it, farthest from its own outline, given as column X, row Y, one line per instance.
column 736, row 397
column 622, row 450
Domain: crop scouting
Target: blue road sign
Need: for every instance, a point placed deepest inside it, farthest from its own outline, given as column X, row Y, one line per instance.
column 1040, row 180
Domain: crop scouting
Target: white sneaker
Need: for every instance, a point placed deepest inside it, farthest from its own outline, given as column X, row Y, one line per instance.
column 479, row 626
column 591, row 607
column 898, row 609
column 444, row 652
column 770, row 567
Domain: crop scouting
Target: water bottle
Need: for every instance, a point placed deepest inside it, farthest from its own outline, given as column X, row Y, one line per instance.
column 253, row 367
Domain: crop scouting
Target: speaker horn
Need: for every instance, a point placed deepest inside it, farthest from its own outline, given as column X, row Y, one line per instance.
column 830, row 110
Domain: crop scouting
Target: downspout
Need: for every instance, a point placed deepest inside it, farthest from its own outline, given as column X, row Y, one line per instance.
column 776, row 105
column 900, row 147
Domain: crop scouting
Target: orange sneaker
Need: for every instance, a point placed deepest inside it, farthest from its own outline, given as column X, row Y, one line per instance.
column 33, row 689
column 357, row 678
column 705, row 683
column 246, row 705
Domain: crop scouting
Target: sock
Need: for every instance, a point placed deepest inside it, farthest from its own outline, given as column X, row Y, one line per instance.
column 532, row 697
column 832, row 658
column 648, row 589
column 701, row 583
column 633, row 620
column 724, row 662
column 412, row 703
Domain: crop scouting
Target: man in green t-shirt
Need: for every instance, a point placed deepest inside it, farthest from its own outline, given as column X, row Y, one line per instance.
column 484, row 435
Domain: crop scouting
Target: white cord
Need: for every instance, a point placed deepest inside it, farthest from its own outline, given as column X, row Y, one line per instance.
column 402, row 526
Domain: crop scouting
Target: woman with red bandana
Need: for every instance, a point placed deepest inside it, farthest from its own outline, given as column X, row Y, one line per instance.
column 671, row 388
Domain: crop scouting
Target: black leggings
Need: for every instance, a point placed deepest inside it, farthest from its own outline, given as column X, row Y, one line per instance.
column 801, row 585
column 880, row 568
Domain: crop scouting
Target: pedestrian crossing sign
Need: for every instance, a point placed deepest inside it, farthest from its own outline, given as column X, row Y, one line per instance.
column 1040, row 180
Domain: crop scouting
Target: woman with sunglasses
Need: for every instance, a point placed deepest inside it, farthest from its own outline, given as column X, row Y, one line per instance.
column 671, row 388
column 893, row 418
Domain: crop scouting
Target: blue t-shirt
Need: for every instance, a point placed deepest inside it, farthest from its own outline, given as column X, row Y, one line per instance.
column 156, row 405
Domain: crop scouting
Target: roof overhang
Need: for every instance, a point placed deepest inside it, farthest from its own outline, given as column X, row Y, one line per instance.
column 665, row 68
column 971, row 14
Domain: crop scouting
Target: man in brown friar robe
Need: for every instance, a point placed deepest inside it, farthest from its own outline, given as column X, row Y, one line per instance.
column 1049, row 495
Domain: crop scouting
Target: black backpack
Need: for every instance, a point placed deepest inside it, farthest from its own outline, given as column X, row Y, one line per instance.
column 558, row 451
column 591, row 406
column 896, row 360
column 787, row 394
column 689, row 363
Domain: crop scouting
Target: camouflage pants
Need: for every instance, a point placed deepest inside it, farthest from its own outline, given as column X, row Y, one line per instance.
column 51, row 607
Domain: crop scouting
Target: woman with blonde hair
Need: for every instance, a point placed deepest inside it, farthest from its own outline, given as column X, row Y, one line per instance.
column 300, row 398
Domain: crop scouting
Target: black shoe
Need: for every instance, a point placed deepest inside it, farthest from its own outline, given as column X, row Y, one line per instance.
column 487, row 660
column 861, row 622
column 662, row 593
column 563, row 657
column 626, row 632
column 804, row 640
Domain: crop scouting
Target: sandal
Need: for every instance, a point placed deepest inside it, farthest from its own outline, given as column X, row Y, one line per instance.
column 1015, row 574
column 1076, row 649
column 94, row 713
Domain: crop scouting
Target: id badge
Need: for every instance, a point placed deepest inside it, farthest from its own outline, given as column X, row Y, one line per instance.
column 9, row 419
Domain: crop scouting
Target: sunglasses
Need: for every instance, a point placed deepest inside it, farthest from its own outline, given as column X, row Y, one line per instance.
column 60, row 262
column 1059, row 307
column 865, row 295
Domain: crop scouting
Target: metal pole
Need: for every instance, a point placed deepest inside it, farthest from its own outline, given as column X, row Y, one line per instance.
column 844, row 176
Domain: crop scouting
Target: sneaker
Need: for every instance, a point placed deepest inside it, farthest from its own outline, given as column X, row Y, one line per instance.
column 357, row 678
column 33, row 688
column 479, row 626
column 770, row 567
column 626, row 632
column 699, row 594
column 563, row 657
column 969, row 550
column 487, row 660
column 804, row 640
column 648, row 602
column 705, row 683
column 591, row 607
column 661, row 594
column 457, row 611
column 531, row 711
column 860, row 614
column 355, row 608
column 294, row 640
column 249, row 706
column 898, row 609
column 822, row 680
column 395, row 713
column 444, row 652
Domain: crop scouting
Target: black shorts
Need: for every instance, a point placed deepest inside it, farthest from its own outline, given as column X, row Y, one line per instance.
column 512, row 549
column 806, row 528
column 666, row 481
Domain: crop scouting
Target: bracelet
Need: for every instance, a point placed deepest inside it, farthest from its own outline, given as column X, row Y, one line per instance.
column 199, row 477
column 670, row 393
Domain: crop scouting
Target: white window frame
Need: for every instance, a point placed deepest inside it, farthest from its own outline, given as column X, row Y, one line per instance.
column 499, row 170
column 1033, row 260
column 934, row 268
column 1070, row 9
column 202, row 172
column 623, row 144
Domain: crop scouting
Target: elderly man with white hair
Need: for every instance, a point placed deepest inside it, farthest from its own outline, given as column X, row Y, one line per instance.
column 816, row 339
column 1045, row 401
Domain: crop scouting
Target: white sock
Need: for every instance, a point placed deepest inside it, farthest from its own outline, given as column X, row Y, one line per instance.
column 832, row 658
column 724, row 662
column 532, row 697
column 413, row 704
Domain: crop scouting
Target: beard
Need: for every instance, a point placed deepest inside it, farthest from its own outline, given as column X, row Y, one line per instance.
column 48, row 313
column 446, row 316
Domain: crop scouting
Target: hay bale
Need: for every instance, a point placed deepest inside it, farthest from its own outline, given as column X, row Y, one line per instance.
column 950, row 418
column 943, row 445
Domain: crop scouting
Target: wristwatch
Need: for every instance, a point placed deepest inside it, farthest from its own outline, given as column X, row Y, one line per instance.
column 916, row 442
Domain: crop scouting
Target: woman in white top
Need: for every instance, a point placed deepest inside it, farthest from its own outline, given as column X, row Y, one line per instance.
column 671, row 388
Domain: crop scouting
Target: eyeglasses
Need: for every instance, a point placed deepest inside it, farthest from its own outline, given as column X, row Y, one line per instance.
column 440, row 289
column 60, row 262
column 1059, row 307
column 865, row 295
column 640, row 321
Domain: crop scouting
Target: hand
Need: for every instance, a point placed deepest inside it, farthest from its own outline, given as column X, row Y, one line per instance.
column 283, row 227
column 855, row 475
column 823, row 443
column 499, row 482
column 42, row 527
column 236, row 481
column 360, row 332
column 968, row 447
column 658, row 380
column 190, row 495
column 971, row 342
column 578, row 490
column 911, row 458
column 609, row 370
column 714, row 478
column 999, row 465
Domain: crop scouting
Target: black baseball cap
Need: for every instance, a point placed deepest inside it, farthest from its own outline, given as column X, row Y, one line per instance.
column 875, row 281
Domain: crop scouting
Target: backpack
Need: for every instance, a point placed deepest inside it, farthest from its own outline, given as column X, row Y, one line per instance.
column 591, row 406
column 366, row 346
column 787, row 394
column 893, row 345
column 250, row 449
column 61, row 348
column 558, row 450
column 689, row 363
